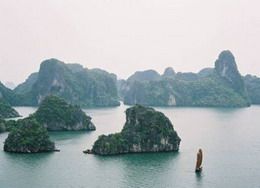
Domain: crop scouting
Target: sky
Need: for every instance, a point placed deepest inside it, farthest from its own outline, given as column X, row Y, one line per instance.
column 123, row 36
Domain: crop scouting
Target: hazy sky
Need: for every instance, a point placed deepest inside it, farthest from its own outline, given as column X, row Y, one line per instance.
column 122, row 36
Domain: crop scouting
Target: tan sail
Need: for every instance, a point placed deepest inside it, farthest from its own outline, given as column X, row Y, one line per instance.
column 199, row 161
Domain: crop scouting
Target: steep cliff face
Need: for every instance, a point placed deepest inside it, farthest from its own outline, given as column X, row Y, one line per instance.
column 57, row 115
column 145, row 130
column 222, row 86
column 77, row 85
column 28, row 137
column 154, row 93
column 226, row 67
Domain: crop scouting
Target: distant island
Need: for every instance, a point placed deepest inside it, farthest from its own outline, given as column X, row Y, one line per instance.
column 145, row 130
column 76, row 84
column 221, row 86
column 28, row 137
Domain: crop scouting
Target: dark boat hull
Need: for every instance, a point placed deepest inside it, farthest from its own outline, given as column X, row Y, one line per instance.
column 198, row 170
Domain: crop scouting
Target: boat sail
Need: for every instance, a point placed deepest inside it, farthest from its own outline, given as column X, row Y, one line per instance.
column 199, row 161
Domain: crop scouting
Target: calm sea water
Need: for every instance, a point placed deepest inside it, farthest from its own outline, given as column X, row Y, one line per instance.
column 230, row 139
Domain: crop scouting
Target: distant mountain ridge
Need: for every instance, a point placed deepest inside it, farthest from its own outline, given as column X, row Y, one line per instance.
column 221, row 86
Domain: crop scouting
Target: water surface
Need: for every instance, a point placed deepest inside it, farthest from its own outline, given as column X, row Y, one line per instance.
column 229, row 138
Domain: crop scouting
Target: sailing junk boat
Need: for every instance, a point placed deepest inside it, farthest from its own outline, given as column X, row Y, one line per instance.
column 199, row 161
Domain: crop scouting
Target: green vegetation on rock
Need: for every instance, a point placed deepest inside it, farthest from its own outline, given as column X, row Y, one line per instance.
column 148, row 75
column 145, row 130
column 72, row 82
column 28, row 137
column 56, row 114
column 6, row 111
column 253, row 88
column 7, row 125
column 222, row 86
column 8, row 96
column 2, row 126
column 26, row 87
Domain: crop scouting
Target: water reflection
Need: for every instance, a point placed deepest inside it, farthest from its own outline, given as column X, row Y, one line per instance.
column 28, row 160
column 143, row 170
column 68, row 135
column 206, row 128
column 199, row 178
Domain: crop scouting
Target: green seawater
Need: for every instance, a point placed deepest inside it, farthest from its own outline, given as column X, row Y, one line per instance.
column 230, row 139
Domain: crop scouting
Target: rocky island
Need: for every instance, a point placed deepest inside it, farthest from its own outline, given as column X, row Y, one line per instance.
column 56, row 114
column 145, row 130
column 28, row 137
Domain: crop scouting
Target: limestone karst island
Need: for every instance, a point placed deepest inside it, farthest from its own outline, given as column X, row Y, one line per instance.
column 145, row 130
column 129, row 94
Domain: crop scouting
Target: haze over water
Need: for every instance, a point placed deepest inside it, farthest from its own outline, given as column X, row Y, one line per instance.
column 228, row 137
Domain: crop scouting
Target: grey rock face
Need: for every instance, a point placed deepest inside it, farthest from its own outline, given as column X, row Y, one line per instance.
column 226, row 67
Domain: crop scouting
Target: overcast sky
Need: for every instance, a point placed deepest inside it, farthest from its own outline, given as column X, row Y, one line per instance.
column 122, row 36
